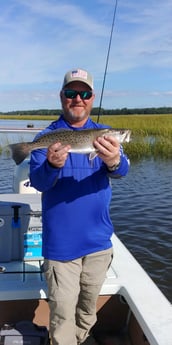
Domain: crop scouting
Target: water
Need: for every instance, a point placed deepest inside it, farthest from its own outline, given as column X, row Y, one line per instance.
column 22, row 123
column 6, row 138
column 141, row 211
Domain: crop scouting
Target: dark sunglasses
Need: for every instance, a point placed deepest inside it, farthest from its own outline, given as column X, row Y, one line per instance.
column 73, row 93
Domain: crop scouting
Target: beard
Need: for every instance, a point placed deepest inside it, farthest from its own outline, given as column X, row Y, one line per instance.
column 72, row 116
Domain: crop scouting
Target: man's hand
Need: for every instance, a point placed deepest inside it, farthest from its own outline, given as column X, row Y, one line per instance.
column 57, row 154
column 108, row 150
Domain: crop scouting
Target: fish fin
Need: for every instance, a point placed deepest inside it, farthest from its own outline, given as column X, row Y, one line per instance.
column 92, row 155
column 19, row 152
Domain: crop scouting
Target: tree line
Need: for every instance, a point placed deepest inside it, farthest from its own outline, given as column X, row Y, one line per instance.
column 95, row 111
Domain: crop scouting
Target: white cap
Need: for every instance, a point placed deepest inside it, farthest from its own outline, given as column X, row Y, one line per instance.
column 78, row 75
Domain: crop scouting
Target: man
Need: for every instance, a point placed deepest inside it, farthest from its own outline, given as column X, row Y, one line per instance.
column 77, row 228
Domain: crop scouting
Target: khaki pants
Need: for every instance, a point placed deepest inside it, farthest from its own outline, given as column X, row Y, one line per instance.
column 73, row 289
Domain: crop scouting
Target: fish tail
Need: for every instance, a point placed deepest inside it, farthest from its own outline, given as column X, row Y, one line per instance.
column 19, row 152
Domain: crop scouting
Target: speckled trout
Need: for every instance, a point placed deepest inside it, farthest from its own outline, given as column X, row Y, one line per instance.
column 81, row 141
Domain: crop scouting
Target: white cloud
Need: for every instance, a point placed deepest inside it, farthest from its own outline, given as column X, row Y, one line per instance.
column 44, row 37
column 67, row 13
column 143, row 36
column 41, row 39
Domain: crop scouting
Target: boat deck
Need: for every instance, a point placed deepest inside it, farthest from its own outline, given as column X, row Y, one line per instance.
column 25, row 280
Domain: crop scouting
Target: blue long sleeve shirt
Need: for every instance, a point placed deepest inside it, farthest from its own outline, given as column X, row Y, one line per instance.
column 75, row 200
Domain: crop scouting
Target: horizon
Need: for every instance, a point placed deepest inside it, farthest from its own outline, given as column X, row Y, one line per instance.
column 162, row 109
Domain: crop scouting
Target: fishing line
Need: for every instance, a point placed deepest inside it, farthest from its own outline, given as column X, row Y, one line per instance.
column 107, row 59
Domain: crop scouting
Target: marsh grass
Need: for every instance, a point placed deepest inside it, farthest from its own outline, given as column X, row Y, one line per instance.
column 162, row 147
column 151, row 134
column 142, row 125
column 137, row 150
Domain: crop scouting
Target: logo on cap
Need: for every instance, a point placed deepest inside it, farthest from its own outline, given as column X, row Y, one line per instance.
column 79, row 73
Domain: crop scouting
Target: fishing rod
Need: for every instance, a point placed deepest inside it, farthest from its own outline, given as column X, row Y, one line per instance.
column 107, row 59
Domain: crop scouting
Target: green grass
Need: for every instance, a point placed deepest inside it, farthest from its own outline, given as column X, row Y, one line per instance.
column 151, row 134
column 141, row 124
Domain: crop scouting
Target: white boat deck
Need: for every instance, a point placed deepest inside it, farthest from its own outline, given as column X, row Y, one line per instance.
column 125, row 276
column 25, row 280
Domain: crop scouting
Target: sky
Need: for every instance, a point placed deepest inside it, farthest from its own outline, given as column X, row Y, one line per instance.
column 40, row 40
